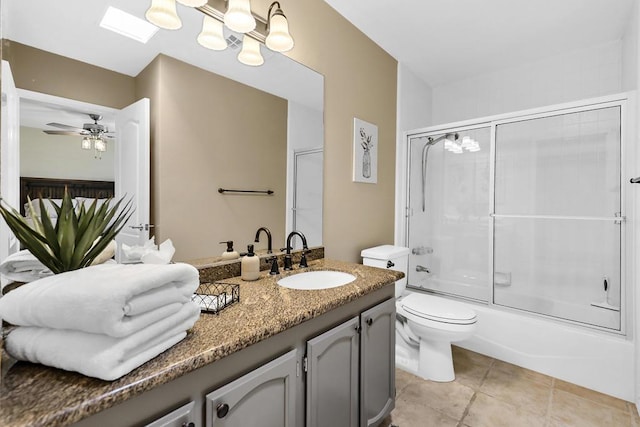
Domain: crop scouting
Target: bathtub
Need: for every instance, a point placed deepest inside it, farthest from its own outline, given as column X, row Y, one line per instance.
column 590, row 358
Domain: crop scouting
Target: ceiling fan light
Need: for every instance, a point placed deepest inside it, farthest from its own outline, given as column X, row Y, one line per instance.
column 100, row 145
column 279, row 39
column 163, row 14
column 212, row 36
column 193, row 3
column 250, row 53
column 86, row 143
column 238, row 16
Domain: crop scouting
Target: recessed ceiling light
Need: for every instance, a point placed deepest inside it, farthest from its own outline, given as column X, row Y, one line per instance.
column 127, row 25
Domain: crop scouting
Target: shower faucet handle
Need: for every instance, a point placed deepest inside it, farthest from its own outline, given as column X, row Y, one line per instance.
column 421, row 250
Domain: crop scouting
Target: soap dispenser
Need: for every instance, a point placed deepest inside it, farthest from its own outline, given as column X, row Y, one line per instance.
column 230, row 253
column 250, row 265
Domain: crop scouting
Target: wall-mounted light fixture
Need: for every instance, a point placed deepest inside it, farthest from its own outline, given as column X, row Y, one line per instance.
column 237, row 16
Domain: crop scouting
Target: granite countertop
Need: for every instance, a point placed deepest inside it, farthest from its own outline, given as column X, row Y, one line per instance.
column 36, row 395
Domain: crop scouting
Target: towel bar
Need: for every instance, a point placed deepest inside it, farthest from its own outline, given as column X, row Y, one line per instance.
column 223, row 190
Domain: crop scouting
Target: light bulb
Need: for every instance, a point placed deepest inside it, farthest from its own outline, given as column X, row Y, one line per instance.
column 212, row 36
column 250, row 53
column 238, row 16
column 163, row 14
column 100, row 145
column 279, row 39
column 86, row 143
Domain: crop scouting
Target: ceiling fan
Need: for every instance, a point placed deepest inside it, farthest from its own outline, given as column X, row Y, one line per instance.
column 94, row 129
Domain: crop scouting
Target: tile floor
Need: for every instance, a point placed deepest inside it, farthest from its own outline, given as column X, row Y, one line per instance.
column 491, row 393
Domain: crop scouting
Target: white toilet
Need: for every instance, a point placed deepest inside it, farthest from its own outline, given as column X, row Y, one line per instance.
column 426, row 325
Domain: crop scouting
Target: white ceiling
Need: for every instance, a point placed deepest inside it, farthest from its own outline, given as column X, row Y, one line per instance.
column 443, row 41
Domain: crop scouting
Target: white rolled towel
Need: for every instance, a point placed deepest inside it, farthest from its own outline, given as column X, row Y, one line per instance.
column 111, row 299
column 98, row 355
column 22, row 266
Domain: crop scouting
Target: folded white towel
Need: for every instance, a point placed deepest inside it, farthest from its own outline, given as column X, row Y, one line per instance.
column 97, row 355
column 22, row 266
column 111, row 299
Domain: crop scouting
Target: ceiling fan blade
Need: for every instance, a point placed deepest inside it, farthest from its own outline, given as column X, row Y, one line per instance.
column 72, row 128
column 63, row 132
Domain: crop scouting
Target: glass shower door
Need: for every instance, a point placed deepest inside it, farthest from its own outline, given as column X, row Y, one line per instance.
column 448, row 224
column 557, row 225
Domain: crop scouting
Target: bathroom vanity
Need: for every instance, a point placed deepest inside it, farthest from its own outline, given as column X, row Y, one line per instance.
column 279, row 356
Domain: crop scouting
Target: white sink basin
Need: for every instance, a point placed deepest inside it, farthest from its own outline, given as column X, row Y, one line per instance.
column 313, row 280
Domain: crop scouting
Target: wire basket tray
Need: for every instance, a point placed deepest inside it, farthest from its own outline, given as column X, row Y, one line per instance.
column 214, row 297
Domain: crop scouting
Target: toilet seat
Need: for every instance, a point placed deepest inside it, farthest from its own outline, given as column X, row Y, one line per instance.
column 437, row 309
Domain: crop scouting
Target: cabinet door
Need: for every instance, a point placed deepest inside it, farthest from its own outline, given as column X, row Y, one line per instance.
column 332, row 377
column 181, row 417
column 377, row 363
column 265, row 397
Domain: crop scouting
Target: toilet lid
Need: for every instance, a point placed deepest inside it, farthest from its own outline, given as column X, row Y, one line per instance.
column 437, row 309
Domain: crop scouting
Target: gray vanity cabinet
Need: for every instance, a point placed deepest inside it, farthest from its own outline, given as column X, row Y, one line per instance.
column 351, row 371
column 264, row 397
column 377, row 363
column 181, row 417
column 332, row 366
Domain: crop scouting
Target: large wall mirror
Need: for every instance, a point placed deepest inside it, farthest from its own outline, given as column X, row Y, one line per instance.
column 203, row 138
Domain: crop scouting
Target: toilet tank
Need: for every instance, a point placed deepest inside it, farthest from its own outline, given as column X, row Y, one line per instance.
column 391, row 257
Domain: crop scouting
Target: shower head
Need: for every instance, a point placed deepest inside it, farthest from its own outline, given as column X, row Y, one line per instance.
column 425, row 154
column 449, row 136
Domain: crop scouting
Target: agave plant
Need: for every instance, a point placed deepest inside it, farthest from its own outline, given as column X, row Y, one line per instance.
column 77, row 238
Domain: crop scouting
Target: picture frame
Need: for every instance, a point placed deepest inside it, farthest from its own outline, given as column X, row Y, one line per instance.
column 365, row 151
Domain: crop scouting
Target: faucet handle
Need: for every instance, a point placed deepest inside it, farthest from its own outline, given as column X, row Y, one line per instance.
column 274, row 265
column 303, row 259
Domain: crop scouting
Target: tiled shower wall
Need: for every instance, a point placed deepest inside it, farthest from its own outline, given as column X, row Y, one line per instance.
column 581, row 74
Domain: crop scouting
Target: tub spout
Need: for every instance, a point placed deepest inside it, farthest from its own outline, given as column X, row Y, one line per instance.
column 421, row 269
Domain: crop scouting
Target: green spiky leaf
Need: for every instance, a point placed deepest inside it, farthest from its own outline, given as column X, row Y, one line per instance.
column 78, row 237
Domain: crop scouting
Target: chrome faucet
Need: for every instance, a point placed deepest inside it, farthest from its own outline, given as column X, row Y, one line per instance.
column 266, row 230
column 303, row 258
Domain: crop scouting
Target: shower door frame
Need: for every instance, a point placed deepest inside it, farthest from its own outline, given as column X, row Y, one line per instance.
column 629, row 155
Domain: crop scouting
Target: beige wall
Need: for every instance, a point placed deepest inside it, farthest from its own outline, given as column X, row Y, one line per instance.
column 360, row 81
column 41, row 71
column 212, row 132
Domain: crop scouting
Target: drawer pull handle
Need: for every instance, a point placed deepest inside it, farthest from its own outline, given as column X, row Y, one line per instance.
column 390, row 264
column 369, row 321
column 222, row 410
